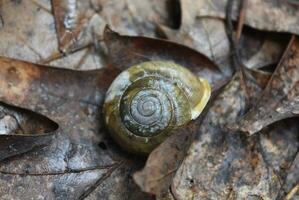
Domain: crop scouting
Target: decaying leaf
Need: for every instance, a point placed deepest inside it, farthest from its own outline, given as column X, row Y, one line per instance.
column 78, row 21
column 208, row 36
column 272, row 15
column 23, row 130
column 290, row 186
column 121, row 185
column 35, row 39
column 53, row 141
column 269, row 53
column 79, row 158
column 75, row 21
column 161, row 166
column 126, row 51
column 163, row 162
column 221, row 164
column 279, row 145
column 58, row 93
column 280, row 98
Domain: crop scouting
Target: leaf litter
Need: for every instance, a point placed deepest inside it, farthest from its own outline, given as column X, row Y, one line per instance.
column 78, row 159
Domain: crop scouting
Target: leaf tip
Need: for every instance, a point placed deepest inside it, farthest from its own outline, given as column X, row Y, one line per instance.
column 109, row 34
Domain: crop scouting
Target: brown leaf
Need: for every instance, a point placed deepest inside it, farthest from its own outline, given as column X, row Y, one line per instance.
column 290, row 185
column 121, row 185
column 80, row 157
column 221, row 164
column 279, row 16
column 279, row 146
column 26, row 84
column 78, row 21
column 280, row 98
column 22, row 130
column 126, row 51
column 36, row 39
column 74, row 19
column 167, row 196
column 163, row 162
column 269, row 53
column 80, row 161
column 208, row 36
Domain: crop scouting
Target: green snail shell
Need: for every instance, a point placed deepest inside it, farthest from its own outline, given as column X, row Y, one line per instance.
column 149, row 100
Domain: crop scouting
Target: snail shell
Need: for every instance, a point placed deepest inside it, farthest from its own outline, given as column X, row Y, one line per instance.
column 149, row 100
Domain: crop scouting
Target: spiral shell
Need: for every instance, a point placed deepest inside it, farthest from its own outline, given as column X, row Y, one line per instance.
column 149, row 100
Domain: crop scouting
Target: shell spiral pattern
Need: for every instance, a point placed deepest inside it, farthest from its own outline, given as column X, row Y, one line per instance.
column 147, row 101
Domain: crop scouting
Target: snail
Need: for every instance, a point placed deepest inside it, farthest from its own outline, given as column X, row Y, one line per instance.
column 146, row 102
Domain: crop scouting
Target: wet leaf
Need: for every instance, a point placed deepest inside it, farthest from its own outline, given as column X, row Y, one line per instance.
column 280, row 98
column 167, row 196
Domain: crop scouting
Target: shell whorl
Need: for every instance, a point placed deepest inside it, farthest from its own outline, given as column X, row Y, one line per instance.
column 146, row 112
column 147, row 101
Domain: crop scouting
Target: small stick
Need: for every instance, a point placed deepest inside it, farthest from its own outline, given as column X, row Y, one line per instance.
column 241, row 19
column 292, row 192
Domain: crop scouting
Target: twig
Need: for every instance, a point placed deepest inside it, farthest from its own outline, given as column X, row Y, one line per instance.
column 241, row 19
column 234, row 41
column 67, row 171
column 292, row 192
column 58, row 55
column 231, row 36
column 99, row 181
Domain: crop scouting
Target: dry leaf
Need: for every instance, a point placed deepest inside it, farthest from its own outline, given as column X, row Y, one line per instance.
column 269, row 53
column 280, row 98
column 221, row 164
column 35, row 39
column 163, row 162
column 126, row 51
column 77, row 160
column 22, row 130
column 78, row 21
column 279, row 146
column 272, row 15
column 80, row 157
column 208, row 35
